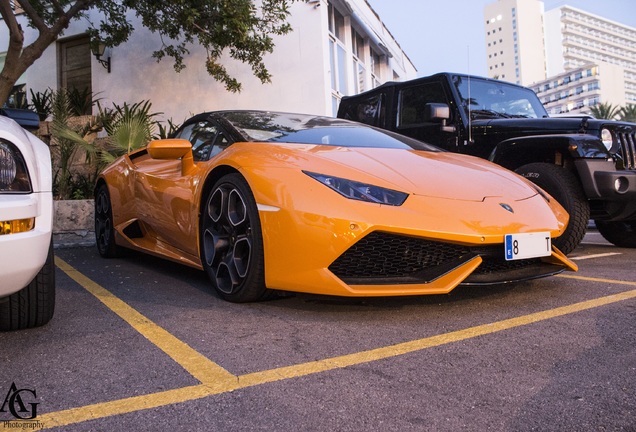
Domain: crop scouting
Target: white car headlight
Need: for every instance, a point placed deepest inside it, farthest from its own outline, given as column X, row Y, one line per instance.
column 14, row 177
column 607, row 138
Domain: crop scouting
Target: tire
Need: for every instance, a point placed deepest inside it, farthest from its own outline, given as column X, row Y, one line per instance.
column 621, row 233
column 104, row 228
column 33, row 305
column 566, row 189
column 232, row 243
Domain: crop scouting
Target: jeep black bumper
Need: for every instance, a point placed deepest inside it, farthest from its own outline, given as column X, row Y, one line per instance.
column 602, row 181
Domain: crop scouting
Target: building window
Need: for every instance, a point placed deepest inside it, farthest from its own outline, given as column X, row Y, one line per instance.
column 376, row 68
column 337, row 57
column 17, row 97
column 338, row 67
column 336, row 23
column 357, row 43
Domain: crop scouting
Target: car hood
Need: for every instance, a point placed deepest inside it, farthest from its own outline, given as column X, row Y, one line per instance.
column 434, row 174
column 539, row 126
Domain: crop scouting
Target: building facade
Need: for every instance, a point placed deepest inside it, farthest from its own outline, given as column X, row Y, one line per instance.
column 575, row 91
column 514, row 40
column 575, row 39
column 336, row 48
column 572, row 58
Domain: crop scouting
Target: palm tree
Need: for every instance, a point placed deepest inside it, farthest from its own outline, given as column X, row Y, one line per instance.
column 129, row 127
column 604, row 110
column 70, row 142
column 628, row 113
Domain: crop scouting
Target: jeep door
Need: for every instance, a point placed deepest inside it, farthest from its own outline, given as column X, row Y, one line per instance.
column 412, row 119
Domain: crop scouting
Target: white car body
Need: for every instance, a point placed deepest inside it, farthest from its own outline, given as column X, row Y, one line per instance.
column 22, row 255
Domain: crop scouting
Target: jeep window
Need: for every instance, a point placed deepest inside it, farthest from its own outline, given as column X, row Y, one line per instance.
column 412, row 101
column 369, row 111
column 495, row 99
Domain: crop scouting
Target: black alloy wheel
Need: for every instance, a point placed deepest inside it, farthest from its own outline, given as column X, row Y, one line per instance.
column 104, row 228
column 231, row 241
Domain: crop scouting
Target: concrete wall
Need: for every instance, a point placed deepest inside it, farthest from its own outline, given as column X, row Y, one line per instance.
column 299, row 66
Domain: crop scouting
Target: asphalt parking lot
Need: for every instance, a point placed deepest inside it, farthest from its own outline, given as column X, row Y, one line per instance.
column 142, row 344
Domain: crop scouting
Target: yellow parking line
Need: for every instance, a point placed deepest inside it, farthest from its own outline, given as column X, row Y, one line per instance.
column 257, row 378
column 602, row 255
column 216, row 380
column 591, row 279
column 122, row 406
column 200, row 367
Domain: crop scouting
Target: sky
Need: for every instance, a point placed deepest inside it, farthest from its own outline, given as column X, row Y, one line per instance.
column 448, row 35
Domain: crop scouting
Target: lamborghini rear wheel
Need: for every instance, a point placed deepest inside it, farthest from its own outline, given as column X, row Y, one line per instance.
column 104, row 228
column 231, row 241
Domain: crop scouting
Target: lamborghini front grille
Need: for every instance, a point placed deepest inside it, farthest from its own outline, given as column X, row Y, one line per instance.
column 385, row 258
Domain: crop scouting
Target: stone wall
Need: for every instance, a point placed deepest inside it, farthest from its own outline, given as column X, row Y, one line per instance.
column 73, row 223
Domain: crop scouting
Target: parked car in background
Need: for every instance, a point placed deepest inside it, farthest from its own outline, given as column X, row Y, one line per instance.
column 588, row 165
column 27, row 272
column 267, row 201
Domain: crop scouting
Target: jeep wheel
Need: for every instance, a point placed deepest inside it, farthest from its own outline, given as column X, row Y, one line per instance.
column 566, row 189
column 33, row 305
column 621, row 233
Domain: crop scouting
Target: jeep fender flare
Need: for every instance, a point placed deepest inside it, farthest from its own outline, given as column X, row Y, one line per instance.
column 518, row 151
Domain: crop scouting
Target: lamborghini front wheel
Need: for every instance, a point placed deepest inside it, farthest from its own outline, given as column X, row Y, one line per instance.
column 231, row 241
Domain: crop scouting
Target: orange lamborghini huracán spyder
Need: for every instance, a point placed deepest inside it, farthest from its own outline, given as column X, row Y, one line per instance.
column 266, row 201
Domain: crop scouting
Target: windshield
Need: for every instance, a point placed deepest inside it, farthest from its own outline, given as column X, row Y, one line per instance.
column 265, row 126
column 495, row 99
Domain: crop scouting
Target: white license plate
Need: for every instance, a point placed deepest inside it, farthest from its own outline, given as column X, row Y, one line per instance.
column 527, row 245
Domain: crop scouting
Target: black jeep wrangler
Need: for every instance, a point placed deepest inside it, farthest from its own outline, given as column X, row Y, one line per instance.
column 588, row 165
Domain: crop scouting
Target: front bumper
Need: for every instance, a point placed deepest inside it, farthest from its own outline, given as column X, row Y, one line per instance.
column 601, row 180
column 22, row 255
column 420, row 249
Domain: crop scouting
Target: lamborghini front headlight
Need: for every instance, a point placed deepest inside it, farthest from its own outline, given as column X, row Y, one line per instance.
column 360, row 191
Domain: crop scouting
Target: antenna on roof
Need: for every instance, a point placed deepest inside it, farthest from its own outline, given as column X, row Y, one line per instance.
column 470, row 126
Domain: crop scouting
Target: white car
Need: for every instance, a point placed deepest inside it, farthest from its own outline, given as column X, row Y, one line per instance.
column 27, row 270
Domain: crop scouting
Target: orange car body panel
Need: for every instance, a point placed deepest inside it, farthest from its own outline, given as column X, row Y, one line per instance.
column 306, row 225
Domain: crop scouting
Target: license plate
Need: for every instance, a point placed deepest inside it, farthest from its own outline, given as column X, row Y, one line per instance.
column 527, row 245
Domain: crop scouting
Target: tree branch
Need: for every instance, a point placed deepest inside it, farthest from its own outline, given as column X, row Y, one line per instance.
column 30, row 11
